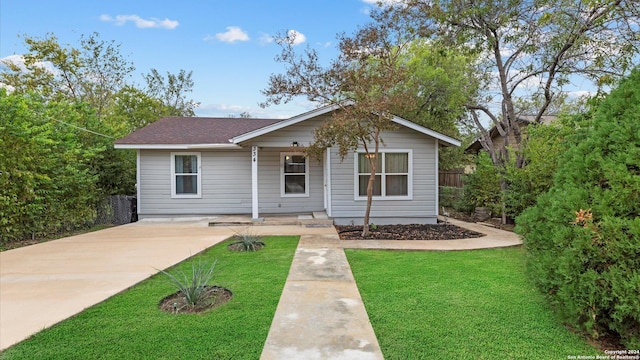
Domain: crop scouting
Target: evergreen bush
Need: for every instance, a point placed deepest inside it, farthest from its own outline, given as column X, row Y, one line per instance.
column 583, row 235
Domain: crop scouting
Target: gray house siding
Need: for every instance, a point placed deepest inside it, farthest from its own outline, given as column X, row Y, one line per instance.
column 226, row 184
column 423, row 206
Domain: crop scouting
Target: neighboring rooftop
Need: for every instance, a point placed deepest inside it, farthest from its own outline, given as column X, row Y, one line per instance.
column 522, row 119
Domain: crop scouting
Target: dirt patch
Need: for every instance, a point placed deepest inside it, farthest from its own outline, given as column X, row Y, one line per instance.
column 176, row 303
column 407, row 232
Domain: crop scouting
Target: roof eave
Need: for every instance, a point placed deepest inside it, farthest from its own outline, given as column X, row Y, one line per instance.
column 177, row 146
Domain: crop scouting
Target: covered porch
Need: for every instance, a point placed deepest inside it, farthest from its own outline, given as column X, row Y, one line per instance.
column 285, row 182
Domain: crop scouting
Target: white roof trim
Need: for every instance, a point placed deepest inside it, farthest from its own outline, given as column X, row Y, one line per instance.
column 421, row 129
column 282, row 124
column 445, row 140
column 176, row 146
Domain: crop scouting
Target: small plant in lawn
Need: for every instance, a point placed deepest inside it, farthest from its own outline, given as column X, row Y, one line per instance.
column 246, row 241
column 195, row 286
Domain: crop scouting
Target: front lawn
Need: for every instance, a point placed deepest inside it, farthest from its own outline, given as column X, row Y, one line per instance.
column 459, row 305
column 130, row 325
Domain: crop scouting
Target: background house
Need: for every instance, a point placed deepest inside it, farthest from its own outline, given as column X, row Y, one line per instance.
column 499, row 140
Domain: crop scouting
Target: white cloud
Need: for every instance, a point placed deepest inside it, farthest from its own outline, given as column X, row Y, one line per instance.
column 298, row 37
column 140, row 22
column 233, row 34
column 581, row 93
column 19, row 61
column 384, row 2
column 266, row 39
column 9, row 88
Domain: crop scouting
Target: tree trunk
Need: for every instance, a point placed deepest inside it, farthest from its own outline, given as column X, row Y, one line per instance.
column 367, row 213
column 373, row 161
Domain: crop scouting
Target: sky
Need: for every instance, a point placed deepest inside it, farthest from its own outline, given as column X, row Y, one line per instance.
column 227, row 44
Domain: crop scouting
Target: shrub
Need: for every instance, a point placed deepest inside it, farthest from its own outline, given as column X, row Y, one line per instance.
column 583, row 236
column 450, row 197
column 542, row 148
column 247, row 242
column 194, row 286
column 482, row 187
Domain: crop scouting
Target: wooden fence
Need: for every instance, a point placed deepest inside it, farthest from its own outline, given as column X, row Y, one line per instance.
column 451, row 178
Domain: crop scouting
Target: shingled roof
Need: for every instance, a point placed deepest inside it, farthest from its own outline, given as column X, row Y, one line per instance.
column 193, row 130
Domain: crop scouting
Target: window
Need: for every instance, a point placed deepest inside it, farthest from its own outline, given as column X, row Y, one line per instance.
column 185, row 175
column 294, row 175
column 393, row 175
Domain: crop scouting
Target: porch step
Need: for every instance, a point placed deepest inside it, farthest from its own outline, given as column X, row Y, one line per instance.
column 317, row 219
column 313, row 221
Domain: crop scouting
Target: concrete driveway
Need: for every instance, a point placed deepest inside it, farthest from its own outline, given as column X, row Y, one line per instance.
column 43, row 284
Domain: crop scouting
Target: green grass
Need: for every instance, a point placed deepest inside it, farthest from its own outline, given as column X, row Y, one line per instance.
column 130, row 325
column 459, row 305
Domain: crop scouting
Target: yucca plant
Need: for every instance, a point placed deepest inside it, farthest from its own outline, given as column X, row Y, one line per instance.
column 194, row 286
column 247, row 242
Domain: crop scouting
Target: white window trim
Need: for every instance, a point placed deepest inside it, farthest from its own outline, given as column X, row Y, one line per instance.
column 356, row 182
column 306, row 175
column 173, row 176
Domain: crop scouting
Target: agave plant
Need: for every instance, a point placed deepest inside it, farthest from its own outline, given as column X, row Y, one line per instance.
column 194, row 286
column 247, row 242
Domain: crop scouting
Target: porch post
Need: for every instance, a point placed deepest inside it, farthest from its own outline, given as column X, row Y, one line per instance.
column 254, row 183
column 327, row 183
column 437, row 179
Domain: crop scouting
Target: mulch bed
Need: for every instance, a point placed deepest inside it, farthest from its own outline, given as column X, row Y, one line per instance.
column 407, row 232
column 177, row 304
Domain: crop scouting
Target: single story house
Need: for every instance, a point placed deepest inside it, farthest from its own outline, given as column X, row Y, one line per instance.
column 192, row 166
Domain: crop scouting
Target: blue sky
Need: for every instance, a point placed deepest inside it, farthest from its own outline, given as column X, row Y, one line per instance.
column 226, row 43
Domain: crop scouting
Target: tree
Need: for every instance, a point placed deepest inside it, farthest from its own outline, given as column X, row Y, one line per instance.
column 132, row 109
column 364, row 83
column 529, row 49
column 442, row 83
column 583, row 235
column 92, row 73
column 541, row 151
column 172, row 91
column 46, row 180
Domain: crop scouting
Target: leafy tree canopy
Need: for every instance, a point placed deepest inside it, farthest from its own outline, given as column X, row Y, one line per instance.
column 527, row 49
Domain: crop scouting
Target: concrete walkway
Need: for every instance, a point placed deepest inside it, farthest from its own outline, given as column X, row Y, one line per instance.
column 320, row 314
